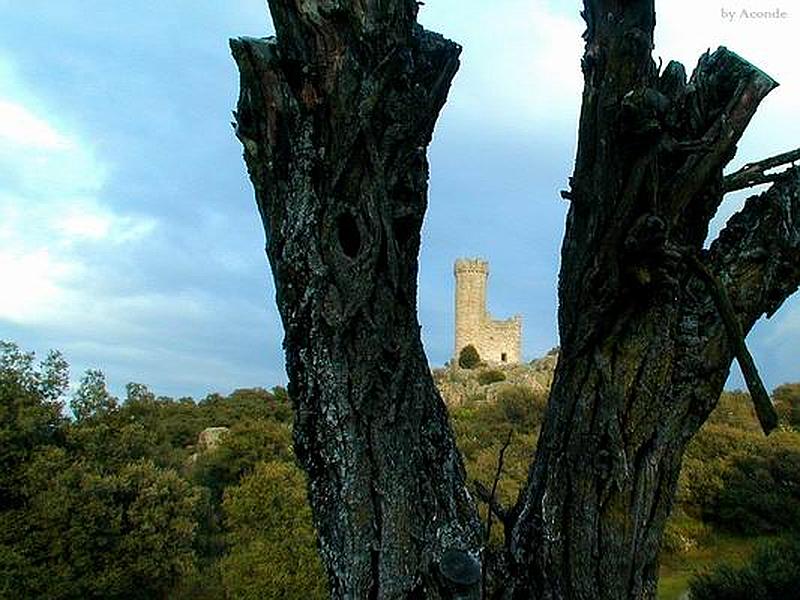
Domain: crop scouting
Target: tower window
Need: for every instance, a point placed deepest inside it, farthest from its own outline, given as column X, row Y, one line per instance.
column 503, row 357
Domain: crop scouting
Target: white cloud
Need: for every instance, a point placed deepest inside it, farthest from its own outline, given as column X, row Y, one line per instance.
column 83, row 225
column 521, row 60
column 22, row 128
column 520, row 64
column 48, row 250
column 90, row 222
column 32, row 284
column 51, row 210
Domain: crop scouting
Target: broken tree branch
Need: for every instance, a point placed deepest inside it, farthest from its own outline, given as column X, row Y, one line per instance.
column 728, row 91
column 753, row 174
column 491, row 501
column 765, row 411
column 758, row 251
column 503, row 514
column 498, row 473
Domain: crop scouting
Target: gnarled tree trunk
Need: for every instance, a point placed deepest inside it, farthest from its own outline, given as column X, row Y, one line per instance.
column 335, row 115
column 645, row 347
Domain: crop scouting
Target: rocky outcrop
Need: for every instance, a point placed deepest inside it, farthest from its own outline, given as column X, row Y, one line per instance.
column 208, row 440
column 458, row 386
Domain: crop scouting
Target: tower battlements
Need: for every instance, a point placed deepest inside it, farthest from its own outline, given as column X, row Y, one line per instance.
column 497, row 341
column 471, row 265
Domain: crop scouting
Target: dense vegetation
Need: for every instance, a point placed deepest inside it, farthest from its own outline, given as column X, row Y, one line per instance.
column 115, row 499
column 116, row 502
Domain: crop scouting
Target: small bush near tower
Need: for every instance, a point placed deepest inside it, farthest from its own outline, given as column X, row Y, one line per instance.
column 469, row 358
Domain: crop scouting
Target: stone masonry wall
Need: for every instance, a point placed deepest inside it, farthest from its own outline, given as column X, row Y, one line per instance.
column 496, row 341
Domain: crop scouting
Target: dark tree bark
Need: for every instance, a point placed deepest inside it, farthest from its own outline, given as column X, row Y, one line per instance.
column 645, row 344
column 335, row 115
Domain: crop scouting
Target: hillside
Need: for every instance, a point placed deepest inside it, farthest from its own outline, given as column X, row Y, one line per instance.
column 485, row 383
column 152, row 497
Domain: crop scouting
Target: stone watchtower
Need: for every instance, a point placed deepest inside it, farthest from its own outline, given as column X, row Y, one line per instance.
column 496, row 341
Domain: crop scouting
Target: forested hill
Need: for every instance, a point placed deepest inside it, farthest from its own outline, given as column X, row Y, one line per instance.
column 120, row 501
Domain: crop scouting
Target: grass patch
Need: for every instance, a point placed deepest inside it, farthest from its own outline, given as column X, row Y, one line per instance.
column 676, row 570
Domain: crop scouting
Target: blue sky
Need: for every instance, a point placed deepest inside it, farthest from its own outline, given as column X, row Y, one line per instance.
column 129, row 237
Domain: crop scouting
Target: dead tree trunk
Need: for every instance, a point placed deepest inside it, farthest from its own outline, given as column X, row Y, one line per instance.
column 649, row 321
column 335, row 116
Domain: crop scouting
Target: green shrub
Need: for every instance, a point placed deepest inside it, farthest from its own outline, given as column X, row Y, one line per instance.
column 683, row 533
column 762, row 493
column 741, row 481
column 273, row 551
column 202, row 584
column 735, row 409
column 469, row 358
column 787, row 403
column 521, row 406
column 85, row 533
column 246, row 444
column 773, row 573
column 491, row 376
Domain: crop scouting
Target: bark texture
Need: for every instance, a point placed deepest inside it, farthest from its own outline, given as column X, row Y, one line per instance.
column 645, row 350
column 335, row 116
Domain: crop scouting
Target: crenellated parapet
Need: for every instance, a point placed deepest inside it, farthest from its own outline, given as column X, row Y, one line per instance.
column 471, row 265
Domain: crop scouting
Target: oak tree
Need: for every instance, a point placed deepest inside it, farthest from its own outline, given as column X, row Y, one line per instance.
column 335, row 115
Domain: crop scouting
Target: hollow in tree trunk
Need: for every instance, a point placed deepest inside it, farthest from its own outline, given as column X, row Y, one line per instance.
column 335, row 116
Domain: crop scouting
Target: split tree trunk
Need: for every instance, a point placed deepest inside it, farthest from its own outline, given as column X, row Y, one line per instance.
column 335, row 116
column 645, row 351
